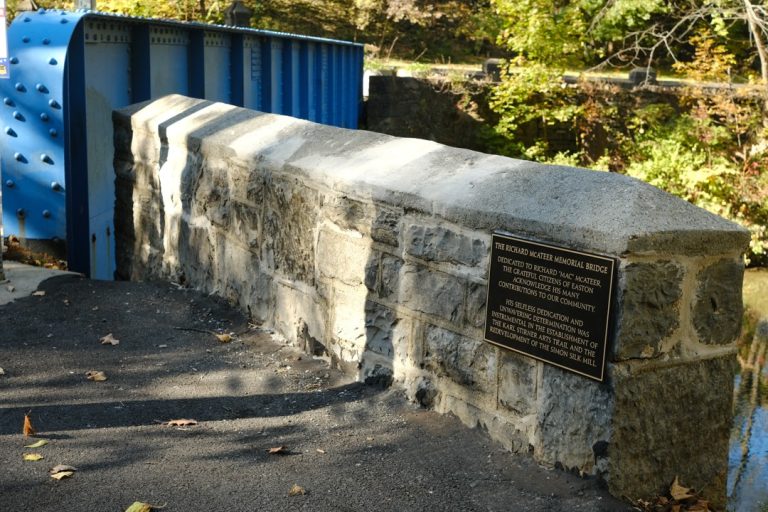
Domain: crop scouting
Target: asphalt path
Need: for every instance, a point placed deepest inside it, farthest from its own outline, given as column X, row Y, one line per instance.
column 345, row 446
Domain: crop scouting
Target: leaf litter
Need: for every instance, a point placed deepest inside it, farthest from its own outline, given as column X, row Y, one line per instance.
column 109, row 340
column 96, row 375
column 180, row 423
column 28, row 430
column 62, row 471
column 38, row 444
column 32, row 457
column 680, row 499
column 297, row 490
column 140, row 506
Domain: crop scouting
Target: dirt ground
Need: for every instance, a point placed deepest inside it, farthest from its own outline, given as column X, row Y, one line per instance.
column 349, row 447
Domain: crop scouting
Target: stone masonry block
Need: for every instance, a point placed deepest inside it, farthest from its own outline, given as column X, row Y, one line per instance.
column 718, row 309
column 390, row 276
column 517, row 382
column 432, row 292
column 477, row 297
column 385, row 333
column 290, row 220
column 650, row 308
column 573, row 415
column 343, row 257
column 440, row 244
column 465, row 361
column 652, row 443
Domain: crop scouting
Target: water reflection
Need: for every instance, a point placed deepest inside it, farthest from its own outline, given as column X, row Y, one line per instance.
column 748, row 453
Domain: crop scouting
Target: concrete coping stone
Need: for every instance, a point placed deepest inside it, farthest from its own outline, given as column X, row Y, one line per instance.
column 601, row 211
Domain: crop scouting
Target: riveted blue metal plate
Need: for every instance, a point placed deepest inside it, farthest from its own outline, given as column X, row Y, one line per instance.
column 69, row 70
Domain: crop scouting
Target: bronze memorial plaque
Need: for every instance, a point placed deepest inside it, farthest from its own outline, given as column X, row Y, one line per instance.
column 551, row 303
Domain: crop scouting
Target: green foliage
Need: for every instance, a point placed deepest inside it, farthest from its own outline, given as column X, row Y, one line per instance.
column 709, row 148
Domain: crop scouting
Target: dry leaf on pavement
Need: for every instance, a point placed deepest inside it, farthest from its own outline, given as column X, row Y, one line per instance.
column 297, row 490
column 32, row 457
column 38, row 293
column 109, row 340
column 678, row 492
column 320, row 450
column 62, row 471
column 28, row 429
column 96, row 376
column 62, row 474
column 279, row 450
column 140, row 506
column 223, row 338
column 181, row 423
column 61, row 467
column 38, row 444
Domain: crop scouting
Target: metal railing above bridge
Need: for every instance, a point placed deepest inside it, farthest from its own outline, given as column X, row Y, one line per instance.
column 69, row 70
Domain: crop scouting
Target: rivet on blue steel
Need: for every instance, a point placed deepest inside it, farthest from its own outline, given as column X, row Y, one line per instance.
column 20, row 213
column 10, row 183
column 19, row 157
column 47, row 214
column 44, row 117
column 41, row 88
column 55, row 186
column 10, row 132
column 20, row 87
column 54, row 104
column 18, row 116
column 13, row 60
column 9, row 102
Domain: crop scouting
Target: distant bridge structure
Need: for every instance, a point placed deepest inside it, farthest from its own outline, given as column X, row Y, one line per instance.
column 70, row 70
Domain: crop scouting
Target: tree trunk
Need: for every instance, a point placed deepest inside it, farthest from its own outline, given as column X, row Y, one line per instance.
column 755, row 29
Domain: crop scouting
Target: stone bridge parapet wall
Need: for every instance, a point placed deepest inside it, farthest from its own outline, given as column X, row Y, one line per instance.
column 374, row 252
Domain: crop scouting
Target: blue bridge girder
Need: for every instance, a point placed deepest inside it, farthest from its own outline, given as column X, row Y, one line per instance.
column 69, row 70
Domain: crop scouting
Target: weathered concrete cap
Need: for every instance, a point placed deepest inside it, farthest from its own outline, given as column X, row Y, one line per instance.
column 605, row 212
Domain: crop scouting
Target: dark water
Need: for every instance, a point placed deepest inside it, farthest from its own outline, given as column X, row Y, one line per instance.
column 748, row 454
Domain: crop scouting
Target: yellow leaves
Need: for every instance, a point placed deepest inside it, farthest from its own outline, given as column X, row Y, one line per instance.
column 181, row 423
column 297, row 490
column 681, row 499
column 223, row 338
column 28, row 430
column 678, row 492
column 140, row 506
column 38, row 444
column 62, row 471
column 109, row 340
column 96, row 375
column 32, row 457
column 279, row 450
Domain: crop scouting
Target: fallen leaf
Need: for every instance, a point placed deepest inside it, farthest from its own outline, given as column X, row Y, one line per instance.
column 297, row 490
column 96, row 376
column 10, row 288
column 61, row 468
column 32, row 456
column 38, row 444
column 676, row 508
column 700, row 506
column 28, row 429
column 678, row 492
column 2, row 372
column 140, row 506
column 38, row 293
column 223, row 338
column 320, row 451
column 181, row 423
column 62, row 474
column 279, row 450
column 109, row 340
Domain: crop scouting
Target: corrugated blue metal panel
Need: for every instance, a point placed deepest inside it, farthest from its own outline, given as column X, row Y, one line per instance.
column 69, row 70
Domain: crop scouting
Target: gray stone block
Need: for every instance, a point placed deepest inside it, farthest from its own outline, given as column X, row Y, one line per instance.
column 573, row 414
column 668, row 423
column 650, row 308
column 440, row 244
column 718, row 309
column 432, row 292
column 466, row 361
column 517, row 382
column 477, row 297
column 390, row 276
